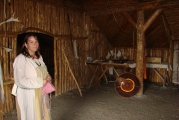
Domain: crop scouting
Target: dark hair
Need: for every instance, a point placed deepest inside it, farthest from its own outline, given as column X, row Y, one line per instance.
column 24, row 50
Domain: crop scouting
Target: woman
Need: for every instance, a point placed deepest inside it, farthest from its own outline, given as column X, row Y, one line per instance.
column 30, row 74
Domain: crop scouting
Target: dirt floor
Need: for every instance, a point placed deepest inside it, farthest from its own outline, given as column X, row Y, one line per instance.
column 103, row 103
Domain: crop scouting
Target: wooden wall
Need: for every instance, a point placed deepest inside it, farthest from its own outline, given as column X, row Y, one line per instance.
column 166, row 56
column 66, row 26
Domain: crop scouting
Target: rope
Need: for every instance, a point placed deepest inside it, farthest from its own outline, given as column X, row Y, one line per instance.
column 116, row 20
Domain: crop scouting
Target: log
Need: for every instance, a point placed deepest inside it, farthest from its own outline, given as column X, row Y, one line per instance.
column 140, row 49
column 130, row 19
column 141, row 46
column 68, row 64
column 151, row 19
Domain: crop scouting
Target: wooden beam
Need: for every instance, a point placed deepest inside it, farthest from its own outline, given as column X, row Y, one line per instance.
column 166, row 26
column 15, row 34
column 130, row 19
column 140, row 49
column 10, row 33
column 152, row 18
column 153, row 31
column 80, row 38
column 95, row 11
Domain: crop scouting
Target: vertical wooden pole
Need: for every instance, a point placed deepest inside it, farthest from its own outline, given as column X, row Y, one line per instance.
column 140, row 49
column 141, row 28
column 1, row 109
column 55, row 65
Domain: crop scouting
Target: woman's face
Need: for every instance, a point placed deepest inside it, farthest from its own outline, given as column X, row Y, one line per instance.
column 32, row 45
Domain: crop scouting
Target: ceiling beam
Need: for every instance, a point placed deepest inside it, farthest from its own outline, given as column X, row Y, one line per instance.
column 130, row 19
column 153, row 31
column 132, row 7
column 151, row 19
column 166, row 26
column 147, row 24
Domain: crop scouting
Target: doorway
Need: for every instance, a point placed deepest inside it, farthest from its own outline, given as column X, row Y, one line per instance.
column 46, row 49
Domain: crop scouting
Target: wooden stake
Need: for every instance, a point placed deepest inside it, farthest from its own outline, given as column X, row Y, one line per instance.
column 68, row 64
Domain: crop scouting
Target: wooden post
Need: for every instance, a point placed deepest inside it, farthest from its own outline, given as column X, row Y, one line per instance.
column 55, row 65
column 141, row 28
column 140, row 49
column 1, row 109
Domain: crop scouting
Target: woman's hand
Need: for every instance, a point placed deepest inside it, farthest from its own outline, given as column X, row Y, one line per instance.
column 44, row 82
column 48, row 78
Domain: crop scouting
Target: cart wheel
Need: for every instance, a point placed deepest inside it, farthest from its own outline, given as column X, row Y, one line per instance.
column 127, row 85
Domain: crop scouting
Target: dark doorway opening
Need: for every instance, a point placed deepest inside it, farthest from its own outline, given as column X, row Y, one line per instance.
column 46, row 49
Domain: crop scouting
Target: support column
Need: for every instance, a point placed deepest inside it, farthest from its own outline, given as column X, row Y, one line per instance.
column 140, row 49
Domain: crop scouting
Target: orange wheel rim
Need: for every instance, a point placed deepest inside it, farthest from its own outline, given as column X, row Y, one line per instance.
column 128, row 85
